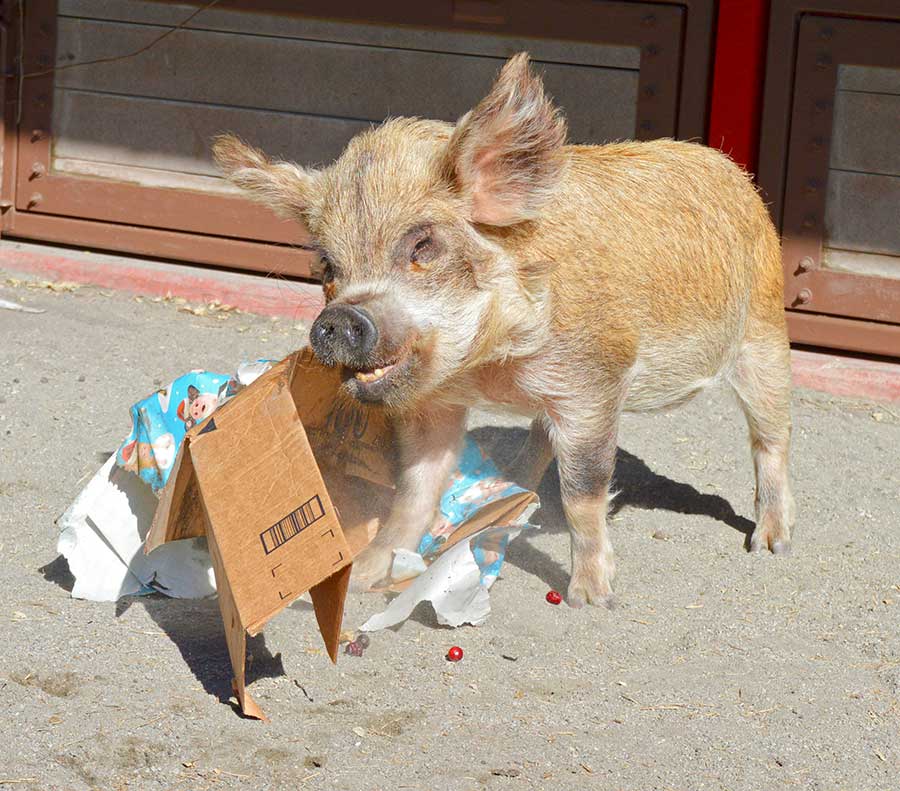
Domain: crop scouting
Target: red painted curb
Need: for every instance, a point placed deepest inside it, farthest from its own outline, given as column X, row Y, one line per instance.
column 846, row 376
column 267, row 296
column 841, row 376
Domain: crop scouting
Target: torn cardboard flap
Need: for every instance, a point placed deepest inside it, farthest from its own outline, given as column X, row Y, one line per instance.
column 248, row 480
column 345, row 435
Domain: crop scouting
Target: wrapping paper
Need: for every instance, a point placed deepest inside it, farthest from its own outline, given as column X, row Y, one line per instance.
column 102, row 532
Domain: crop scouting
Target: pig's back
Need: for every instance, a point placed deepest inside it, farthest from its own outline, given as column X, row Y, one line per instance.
column 665, row 245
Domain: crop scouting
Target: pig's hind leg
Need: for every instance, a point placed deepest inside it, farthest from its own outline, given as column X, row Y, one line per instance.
column 762, row 381
column 428, row 446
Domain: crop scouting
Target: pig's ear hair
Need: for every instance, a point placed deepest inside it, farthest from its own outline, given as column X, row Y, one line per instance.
column 505, row 156
column 283, row 186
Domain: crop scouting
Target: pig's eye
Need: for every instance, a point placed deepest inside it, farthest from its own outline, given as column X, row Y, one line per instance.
column 422, row 250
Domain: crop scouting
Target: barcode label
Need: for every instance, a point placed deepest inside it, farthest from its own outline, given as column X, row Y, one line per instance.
column 292, row 525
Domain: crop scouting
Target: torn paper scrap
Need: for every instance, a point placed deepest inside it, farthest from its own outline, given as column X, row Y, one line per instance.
column 474, row 484
column 102, row 536
column 7, row 304
column 406, row 565
column 455, row 583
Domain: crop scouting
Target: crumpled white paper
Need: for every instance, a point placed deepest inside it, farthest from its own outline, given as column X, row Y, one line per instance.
column 7, row 304
column 102, row 537
column 407, row 564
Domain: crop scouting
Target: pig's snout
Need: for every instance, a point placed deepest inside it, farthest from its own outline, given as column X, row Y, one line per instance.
column 344, row 334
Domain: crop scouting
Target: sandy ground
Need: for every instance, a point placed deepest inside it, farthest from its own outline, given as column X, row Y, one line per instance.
column 717, row 670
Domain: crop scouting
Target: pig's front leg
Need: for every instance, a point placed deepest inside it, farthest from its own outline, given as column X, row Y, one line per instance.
column 584, row 439
column 428, row 449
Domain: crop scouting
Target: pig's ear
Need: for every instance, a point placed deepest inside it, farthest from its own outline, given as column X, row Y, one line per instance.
column 283, row 186
column 505, row 156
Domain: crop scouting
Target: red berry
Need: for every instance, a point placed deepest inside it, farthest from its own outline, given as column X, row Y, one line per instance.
column 455, row 654
column 354, row 649
column 554, row 597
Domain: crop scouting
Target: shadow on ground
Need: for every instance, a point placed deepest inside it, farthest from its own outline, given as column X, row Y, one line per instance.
column 195, row 626
column 635, row 483
column 57, row 571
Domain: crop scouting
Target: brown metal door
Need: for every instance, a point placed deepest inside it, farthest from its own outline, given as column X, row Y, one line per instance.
column 842, row 194
column 114, row 153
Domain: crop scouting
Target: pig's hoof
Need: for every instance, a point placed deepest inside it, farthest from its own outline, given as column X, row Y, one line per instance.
column 590, row 590
column 370, row 568
column 781, row 547
column 767, row 538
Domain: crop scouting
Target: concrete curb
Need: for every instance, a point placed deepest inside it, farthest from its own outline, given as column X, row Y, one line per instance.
column 269, row 296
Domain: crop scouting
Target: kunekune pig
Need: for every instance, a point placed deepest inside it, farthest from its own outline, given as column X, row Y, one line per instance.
column 488, row 263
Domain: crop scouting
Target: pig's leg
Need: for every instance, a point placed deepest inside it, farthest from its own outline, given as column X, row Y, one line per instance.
column 532, row 460
column 585, row 445
column 762, row 381
column 428, row 448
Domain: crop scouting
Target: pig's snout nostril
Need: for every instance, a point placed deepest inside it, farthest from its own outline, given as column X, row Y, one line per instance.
column 359, row 330
column 354, row 333
column 322, row 331
column 343, row 333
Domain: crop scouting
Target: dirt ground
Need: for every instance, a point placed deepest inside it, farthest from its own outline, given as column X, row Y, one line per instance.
column 717, row 670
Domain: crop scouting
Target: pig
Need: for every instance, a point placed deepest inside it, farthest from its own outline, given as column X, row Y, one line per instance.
column 488, row 263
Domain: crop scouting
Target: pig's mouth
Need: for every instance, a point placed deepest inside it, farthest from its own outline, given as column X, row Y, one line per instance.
column 374, row 383
column 368, row 377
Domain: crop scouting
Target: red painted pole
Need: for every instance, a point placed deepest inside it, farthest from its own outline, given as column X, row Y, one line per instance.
column 738, row 74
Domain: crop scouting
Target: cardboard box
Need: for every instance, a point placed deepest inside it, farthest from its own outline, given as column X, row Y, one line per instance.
column 247, row 479
column 288, row 481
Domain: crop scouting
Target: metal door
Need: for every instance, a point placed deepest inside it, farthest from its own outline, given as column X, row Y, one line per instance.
column 829, row 168
column 114, row 154
column 841, row 224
